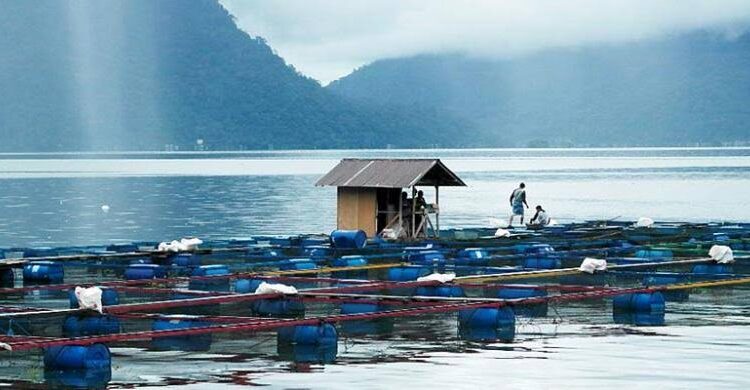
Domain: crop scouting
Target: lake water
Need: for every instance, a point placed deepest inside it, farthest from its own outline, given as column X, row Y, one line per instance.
column 57, row 200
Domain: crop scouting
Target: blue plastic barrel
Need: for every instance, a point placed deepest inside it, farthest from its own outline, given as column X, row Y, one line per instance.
column 712, row 269
column 178, row 322
column 662, row 280
column 201, row 342
column 349, row 261
column 405, row 274
column 472, row 256
column 487, row 317
column 520, row 248
column 654, row 253
column 123, row 248
column 211, row 270
column 279, row 307
column 358, row 308
column 622, row 244
column 424, row 257
column 43, row 272
column 520, row 292
column 639, row 302
column 446, row 290
column 145, row 271
column 186, row 260
column 720, row 237
column 216, row 284
column 7, row 277
column 245, row 286
column 77, row 357
column 314, row 241
column 473, row 253
column 297, row 265
column 526, row 309
column 90, row 325
column 317, row 251
column 109, row 297
column 549, row 262
column 538, row 250
column 322, row 334
column 241, row 242
column 349, row 239
column 280, row 241
column 365, row 327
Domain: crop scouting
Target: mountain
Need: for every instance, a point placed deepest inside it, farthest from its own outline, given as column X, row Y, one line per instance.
column 683, row 90
column 150, row 74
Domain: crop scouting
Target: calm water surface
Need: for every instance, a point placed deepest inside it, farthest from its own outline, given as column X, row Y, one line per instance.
column 56, row 200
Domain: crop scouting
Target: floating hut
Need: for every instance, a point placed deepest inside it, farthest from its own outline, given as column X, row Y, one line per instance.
column 369, row 195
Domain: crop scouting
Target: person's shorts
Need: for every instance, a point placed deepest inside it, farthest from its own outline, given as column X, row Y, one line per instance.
column 518, row 209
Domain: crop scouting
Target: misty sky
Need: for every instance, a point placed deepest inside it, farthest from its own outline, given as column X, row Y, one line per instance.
column 327, row 39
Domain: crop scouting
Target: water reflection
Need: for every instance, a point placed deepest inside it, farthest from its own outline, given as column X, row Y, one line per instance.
column 639, row 319
column 312, row 354
column 78, row 379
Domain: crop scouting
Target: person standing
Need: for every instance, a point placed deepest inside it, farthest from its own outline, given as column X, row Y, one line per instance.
column 420, row 204
column 517, row 201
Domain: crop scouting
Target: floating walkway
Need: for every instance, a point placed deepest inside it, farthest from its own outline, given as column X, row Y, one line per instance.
column 178, row 299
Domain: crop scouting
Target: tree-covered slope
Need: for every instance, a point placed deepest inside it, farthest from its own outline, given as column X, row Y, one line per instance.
column 678, row 91
column 141, row 74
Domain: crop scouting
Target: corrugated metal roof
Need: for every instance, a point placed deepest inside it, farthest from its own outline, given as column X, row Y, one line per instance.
column 390, row 173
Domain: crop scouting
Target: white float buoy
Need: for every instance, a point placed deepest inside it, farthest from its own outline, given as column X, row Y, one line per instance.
column 105, row 208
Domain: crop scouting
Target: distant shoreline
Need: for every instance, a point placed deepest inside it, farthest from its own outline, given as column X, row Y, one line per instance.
column 394, row 150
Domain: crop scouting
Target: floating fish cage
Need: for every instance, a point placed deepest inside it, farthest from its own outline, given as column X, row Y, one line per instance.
column 310, row 291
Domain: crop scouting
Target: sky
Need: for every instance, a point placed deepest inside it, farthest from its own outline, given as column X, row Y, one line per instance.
column 327, row 39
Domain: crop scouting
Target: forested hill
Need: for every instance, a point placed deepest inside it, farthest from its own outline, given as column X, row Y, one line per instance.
column 678, row 91
column 149, row 74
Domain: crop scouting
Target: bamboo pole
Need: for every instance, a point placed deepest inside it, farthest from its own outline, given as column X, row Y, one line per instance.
column 571, row 271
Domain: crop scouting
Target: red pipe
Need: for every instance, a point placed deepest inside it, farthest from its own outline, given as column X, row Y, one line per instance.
column 258, row 325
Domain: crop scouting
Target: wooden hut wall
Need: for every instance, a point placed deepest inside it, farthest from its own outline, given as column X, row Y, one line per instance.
column 357, row 209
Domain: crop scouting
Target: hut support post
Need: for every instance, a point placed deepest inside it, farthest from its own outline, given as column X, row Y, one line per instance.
column 413, row 210
column 437, row 212
column 400, row 213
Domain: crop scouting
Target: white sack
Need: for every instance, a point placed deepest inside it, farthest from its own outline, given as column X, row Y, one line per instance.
column 590, row 265
column 185, row 244
column 502, row 233
column 275, row 288
column 191, row 243
column 89, row 298
column 442, row 278
column 722, row 254
column 644, row 222
column 392, row 234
